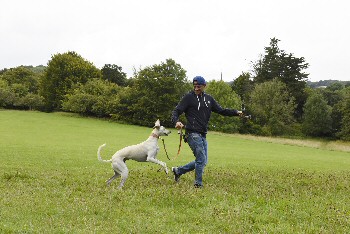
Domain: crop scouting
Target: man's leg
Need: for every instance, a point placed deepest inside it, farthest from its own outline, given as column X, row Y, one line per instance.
column 198, row 144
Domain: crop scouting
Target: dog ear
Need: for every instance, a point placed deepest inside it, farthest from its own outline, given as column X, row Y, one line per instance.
column 157, row 124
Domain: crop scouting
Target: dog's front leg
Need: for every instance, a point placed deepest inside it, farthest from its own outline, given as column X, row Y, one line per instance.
column 156, row 161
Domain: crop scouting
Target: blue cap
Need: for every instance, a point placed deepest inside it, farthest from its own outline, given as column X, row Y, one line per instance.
column 200, row 80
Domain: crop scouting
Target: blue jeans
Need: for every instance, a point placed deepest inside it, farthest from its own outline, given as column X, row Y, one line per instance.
column 199, row 147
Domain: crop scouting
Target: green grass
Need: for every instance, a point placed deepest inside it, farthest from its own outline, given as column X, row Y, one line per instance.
column 51, row 182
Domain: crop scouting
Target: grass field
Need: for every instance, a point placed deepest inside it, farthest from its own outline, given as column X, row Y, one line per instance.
column 51, row 182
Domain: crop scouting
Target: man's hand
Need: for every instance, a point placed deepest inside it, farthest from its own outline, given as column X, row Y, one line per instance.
column 242, row 115
column 179, row 125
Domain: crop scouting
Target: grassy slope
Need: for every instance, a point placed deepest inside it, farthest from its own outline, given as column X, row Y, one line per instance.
column 50, row 180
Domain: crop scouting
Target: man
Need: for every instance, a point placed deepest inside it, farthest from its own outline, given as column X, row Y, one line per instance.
column 197, row 106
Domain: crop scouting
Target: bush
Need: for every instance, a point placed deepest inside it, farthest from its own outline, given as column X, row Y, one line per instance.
column 96, row 97
column 31, row 101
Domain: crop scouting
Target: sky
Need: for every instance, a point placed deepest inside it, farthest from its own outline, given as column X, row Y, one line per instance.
column 213, row 39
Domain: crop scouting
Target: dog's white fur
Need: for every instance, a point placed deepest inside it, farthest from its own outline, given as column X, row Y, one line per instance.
column 144, row 152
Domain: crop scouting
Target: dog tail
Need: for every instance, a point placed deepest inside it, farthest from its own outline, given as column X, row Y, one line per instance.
column 99, row 154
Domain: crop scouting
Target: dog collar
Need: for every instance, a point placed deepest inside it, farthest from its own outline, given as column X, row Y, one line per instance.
column 154, row 135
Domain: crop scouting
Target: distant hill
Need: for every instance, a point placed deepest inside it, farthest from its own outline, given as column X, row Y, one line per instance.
column 326, row 83
column 36, row 69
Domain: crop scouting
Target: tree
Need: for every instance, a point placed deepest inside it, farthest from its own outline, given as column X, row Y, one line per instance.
column 3, row 71
column 333, row 95
column 154, row 94
column 7, row 97
column 243, row 86
column 285, row 67
column 272, row 107
column 228, row 99
column 344, row 133
column 114, row 74
column 63, row 71
column 19, row 89
column 24, row 76
column 317, row 120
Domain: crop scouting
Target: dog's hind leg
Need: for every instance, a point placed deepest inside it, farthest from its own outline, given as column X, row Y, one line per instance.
column 124, row 176
column 116, row 174
column 120, row 167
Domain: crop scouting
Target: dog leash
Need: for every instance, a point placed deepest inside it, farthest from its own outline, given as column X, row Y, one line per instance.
column 166, row 152
column 180, row 143
column 165, row 149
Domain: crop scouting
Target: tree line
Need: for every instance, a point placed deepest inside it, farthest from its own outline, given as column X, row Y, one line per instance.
column 275, row 93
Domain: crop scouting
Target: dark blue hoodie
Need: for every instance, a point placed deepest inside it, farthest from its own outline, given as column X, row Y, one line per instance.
column 197, row 109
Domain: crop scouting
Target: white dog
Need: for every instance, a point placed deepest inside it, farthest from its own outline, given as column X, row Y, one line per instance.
column 143, row 152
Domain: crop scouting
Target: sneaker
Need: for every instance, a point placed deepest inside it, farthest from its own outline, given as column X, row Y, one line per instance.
column 176, row 176
column 198, row 186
